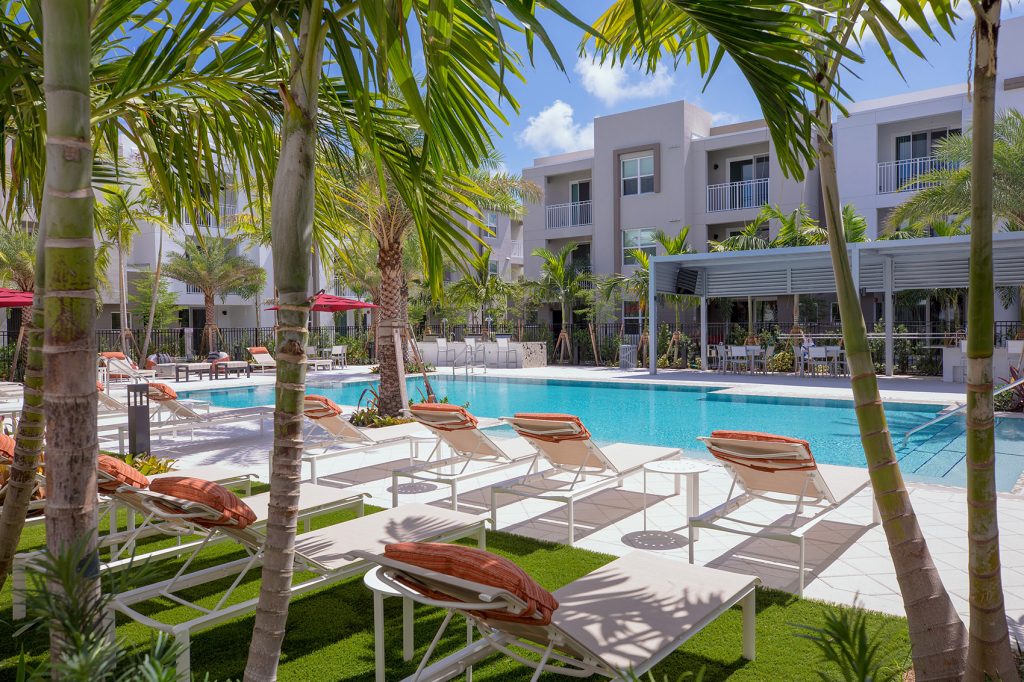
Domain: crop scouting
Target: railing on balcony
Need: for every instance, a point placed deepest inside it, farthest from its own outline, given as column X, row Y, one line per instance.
column 901, row 176
column 584, row 267
column 227, row 212
column 729, row 196
column 517, row 248
column 573, row 214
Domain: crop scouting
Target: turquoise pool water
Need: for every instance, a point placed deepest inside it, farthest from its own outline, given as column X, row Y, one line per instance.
column 672, row 415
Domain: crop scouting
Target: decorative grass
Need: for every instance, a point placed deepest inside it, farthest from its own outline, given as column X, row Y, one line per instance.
column 330, row 631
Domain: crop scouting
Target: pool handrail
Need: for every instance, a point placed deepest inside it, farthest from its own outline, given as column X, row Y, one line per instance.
column 959, row 408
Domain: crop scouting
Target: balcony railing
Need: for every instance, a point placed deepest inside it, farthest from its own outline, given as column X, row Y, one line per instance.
column 900, row 176
column 517, row 248
column 729, row 196
column 574, row 214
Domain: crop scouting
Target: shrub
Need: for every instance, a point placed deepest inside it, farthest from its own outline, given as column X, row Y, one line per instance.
column 150, row 465
column 369, row 417
column 781, row 361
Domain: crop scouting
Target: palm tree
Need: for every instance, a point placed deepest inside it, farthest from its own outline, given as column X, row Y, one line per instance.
column 480, row 290
column 561, row 280
column 18, row 258
column 752, row 237
column 212, row 267
column 675, row 246
column 803, row 47
column 159, row 113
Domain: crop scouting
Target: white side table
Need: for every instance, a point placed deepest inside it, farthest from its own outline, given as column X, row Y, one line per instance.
column 381, row 590
column 676, row 468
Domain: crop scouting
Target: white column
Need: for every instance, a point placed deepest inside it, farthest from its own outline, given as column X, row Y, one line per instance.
column 887, row 280
column 652, row 317
column 703, row 332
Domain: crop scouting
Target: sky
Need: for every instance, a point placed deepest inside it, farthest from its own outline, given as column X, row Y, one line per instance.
column 556, row 109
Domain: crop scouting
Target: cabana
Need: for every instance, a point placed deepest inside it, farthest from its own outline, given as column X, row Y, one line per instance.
column 885, row 267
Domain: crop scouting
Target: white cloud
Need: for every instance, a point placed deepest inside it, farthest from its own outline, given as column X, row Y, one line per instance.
column 555, row 130
column 724, row 118
column 612, row 84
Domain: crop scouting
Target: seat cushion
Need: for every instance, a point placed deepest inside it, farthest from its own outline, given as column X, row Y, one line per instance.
column 118, row 355
column 6, row 449
column 320, row 407
column 476, row 565
column 759, row 437
column 443, row 416
column 574, row 428
column 259, row 349
column 233, row 511
column 114, row 473
column 161, row 392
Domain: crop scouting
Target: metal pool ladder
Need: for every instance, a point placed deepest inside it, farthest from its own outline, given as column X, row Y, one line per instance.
column 960, row 408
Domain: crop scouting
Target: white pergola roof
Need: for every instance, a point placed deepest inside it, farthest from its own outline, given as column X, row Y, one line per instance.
column 884, row 266
column 927, row 263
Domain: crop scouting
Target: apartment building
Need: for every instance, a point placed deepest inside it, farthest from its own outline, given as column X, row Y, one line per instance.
column 504, row 237
column 666, row 166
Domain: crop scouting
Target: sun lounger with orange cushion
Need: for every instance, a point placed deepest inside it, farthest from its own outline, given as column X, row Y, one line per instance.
column 781, row 470
column 563, row 442
column 474, row 453
column 617, row 622
column 262, row 359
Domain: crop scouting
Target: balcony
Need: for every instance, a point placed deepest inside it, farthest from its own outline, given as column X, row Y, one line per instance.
column 517, row 248
column 900, row 176
column 574, row 214
column 730, row 196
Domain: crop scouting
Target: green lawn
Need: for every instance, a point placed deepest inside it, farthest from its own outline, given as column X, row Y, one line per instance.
column 330, row 634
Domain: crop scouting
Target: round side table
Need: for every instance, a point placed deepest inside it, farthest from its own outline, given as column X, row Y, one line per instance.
column 381, row 590
column 676, row 468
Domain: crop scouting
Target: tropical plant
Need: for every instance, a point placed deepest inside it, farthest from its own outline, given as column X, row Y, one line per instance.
column 752, row 237
column 561, row 280
column 162, row 312
column 675, row 246
column 480, row 290
column 213, row 267
column 634, row 285
column 17, row 258
column 845, row 642
column 648, row 29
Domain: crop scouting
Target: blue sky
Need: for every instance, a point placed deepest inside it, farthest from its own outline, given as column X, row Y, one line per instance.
column 556, row 109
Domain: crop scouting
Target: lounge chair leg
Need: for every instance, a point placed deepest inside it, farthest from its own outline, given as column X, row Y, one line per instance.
column 693, row 537
column 455, row 496
column 408, row 643
column 876, row 514
column 312, row 470
column 19, row 583
column 378, row 636
column 749, row 605
column 803, row 552
column 394, row 490
column 572, row 524
column 184, row 663
column 494, row 510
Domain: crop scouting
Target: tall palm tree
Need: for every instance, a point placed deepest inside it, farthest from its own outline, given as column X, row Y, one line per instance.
column 480, row 289
column 212, row 267
column 814, row 40
column 186, row 115
column 561, row 280
column 18, row 258
column 675, row 246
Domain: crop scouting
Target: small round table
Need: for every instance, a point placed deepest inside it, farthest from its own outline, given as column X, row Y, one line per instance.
column 381, row 590
column 676, row 468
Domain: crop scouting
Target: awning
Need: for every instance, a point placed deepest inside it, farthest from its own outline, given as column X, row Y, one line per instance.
column 13, row 298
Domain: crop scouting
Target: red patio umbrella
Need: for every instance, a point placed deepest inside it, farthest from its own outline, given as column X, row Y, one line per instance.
column 325, row 303
column 12, row 298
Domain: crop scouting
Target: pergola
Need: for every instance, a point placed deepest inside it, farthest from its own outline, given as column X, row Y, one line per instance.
column 885, row 267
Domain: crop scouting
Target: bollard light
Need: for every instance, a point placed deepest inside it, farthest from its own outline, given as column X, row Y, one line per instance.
column 138, row 419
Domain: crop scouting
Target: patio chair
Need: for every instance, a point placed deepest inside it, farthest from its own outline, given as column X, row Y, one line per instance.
column 327, row 553
column 506, row 351
column 476, row 354
column 780, row 470
column 339, row 356
column 346, row 438
column 474, row 452
column 817, row 360
column 565, row 444
column 262, row 359
column 835, row 356
column 170, row 408
column 761, row 361
column 616, row 622
column 121, row 368
column 717, row 359
column 107, row 402
column 445, row 355
column 737, row 359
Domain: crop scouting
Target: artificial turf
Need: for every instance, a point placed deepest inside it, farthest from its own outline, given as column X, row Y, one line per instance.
column 330, row 631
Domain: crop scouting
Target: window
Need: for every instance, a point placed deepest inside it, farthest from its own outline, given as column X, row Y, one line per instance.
column 921, row 144
column 492, row 268
column 631, row 319
column 579, row 191
column 491, row 220
column 638, row 175
column 637, row 239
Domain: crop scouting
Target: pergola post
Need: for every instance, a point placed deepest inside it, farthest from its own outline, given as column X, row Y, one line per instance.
column 652, row 317
column 887, row 283
column 703, row 332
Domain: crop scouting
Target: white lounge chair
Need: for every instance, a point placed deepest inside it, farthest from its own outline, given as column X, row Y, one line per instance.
column 326, row 553
column 783, row 471
column 454, row 426
column 617, row 622
column 339, row 356
column 119, row 367
column 262, row 359
column 345, row 438
column 565, row 444
column 170, row 408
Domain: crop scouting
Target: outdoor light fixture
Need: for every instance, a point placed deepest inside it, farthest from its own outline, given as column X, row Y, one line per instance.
column 138, row 419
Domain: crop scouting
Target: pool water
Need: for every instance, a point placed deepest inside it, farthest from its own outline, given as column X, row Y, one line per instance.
column 673, row 415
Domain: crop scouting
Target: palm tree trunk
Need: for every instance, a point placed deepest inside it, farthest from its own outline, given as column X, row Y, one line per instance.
column 69, row 345
column 122, row 285
column 291, row 239
column 29, row 436
column 937, row 635
column 988, row 654
column 389, row 261
column 154, row 297
column 210, row 305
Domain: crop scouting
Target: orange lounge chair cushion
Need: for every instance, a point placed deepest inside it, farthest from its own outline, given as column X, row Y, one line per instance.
column 117, row 473
column 760, row 437
column 161, row 392
column 118, row 355
column 476, row 565
column 320, row 407
column 99, row 386
column 233, row 511
column 6, row 449
column 259, row 349
column 581, row 434
column 222, row 357
column 468, row 421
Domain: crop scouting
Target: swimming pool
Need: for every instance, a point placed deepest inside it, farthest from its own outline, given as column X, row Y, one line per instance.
column 674, row 415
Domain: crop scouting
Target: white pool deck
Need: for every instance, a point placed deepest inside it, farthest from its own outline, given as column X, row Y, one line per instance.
column 847, row 556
